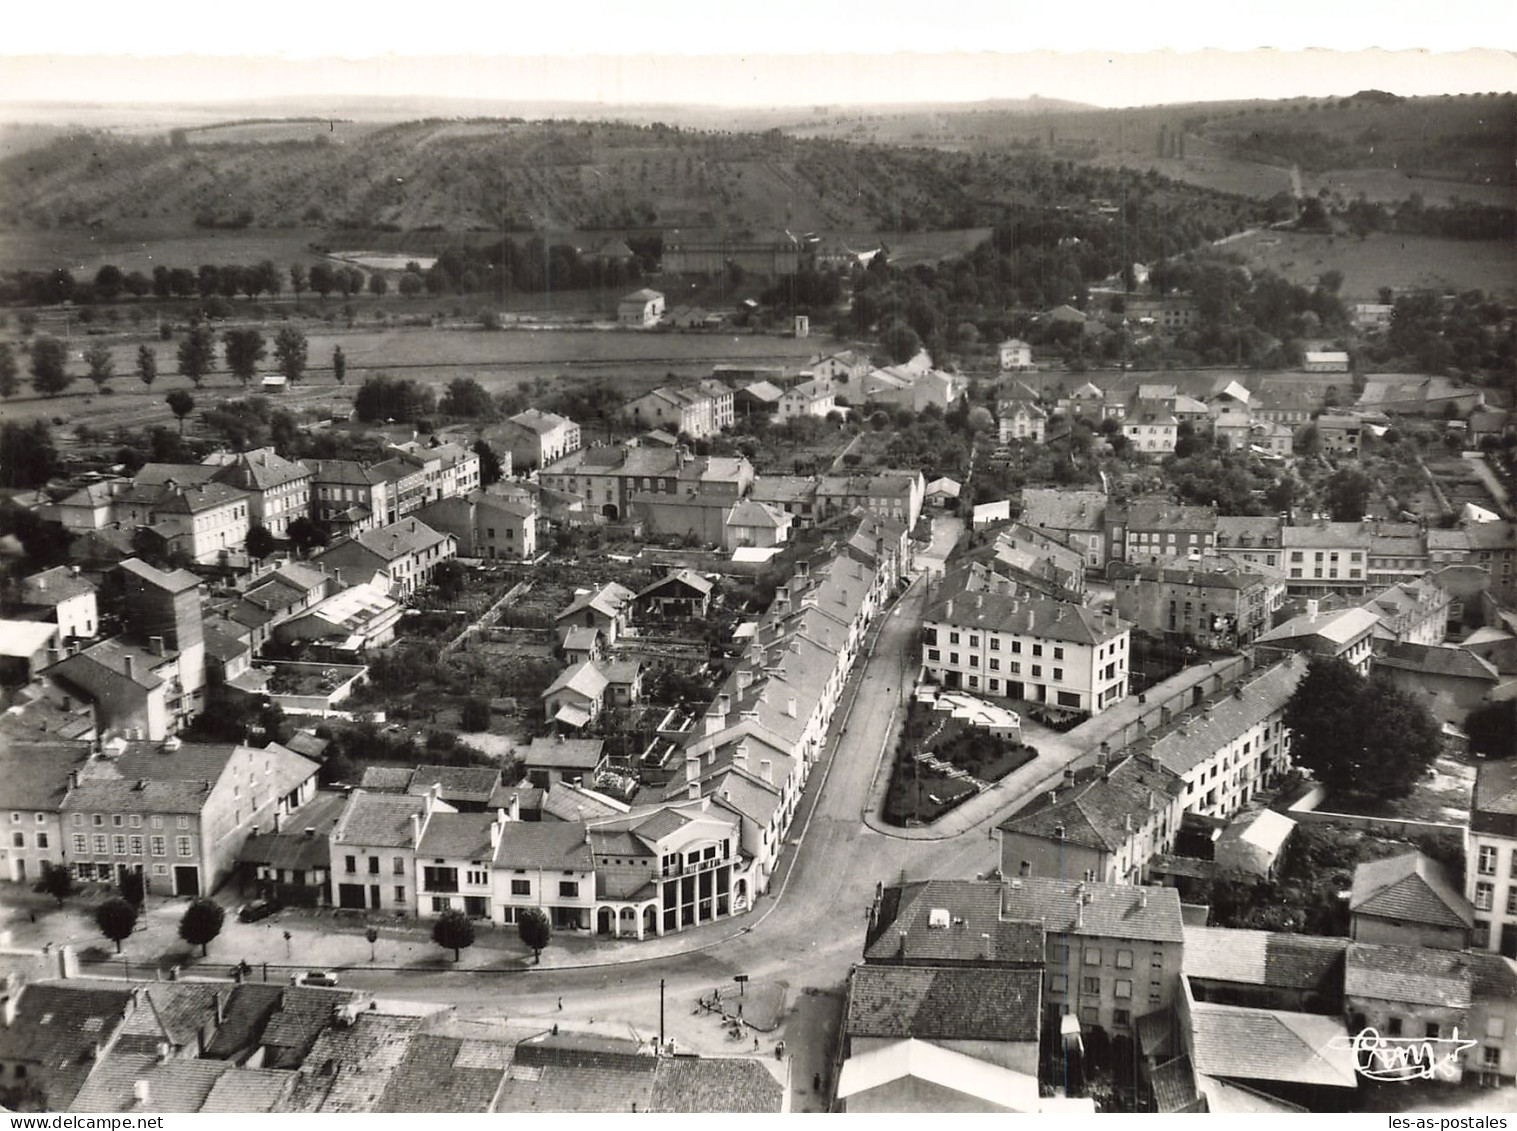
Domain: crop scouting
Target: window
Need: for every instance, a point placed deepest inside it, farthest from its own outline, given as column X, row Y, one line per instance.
column 1495, row 1026
column 97, row 819
column 78, row 820
column 184, row 846
column 156, row 822
column 1058, row 983
column 1393, row 1026
column 135, row 820
column 181, row 822
column 1037, row 649
column 1037, row 670
column 1092, row 956
column 1511, row 896
column 100, row 844
column 953, row 638
column 1490, row 1057
column 1124, row 960
column 118, row 845
column 439, row 904
column 1158, row 960
column 521, row 887
column 1058, row 675
column 116, row 820
column 373, row 865
column 81, row 843
column 995, row 643
column 398, row 866
column 400, row 893
column 160, row 846
column 1090, row 985
column 1058, row 653
column 934, row 655
column 136, row 843
column 18, row 840
column 1016, row 647
column 1487, row 864
column 1121, row 1018
column 1484, row 895
column 160, row 869
column 1124, row 987
column 1432, row 1029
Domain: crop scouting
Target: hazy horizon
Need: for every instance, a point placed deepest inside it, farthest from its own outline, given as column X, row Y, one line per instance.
column 752, row 82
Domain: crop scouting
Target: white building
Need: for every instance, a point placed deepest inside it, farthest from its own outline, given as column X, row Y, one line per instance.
column 1491, row 871
column 640, row 309
column 1016, row 355
column 984, row 634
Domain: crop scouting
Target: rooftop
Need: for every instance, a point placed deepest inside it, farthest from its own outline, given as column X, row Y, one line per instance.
column 944, row 1003
column 1411, row 888
column 1095, row 910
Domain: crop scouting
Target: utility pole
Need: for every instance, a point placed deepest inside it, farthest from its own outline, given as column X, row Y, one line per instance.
column 660, row 1015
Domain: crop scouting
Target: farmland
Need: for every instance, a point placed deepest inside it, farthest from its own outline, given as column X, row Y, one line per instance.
column 497, row 360
column 1383, row 259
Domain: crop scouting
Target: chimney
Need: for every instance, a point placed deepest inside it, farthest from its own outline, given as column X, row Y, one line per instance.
column 73, row 779
column 337, row 576
column 724, row 704
column 514, row 813
column 694, row 792
column 310, row 830
column 948, row 610
column 142, row 1093
column 1142, row 898
column 155, row 643
column 692, row 766
column 1080, row 906
column 8, row 1008
column 790, row 706
column 415, row 829
column 744, row 679
column 495, row 828
column 219, row 1000
column 129, row 666
column 1053, row 796
column 766, row 770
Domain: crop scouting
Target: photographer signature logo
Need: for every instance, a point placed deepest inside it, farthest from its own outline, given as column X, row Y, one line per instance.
column 1405, row 1058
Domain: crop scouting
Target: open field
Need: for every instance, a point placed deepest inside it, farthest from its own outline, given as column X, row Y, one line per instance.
column 1383, row 259
column 1392, row 185
column 333, row 131
column 497, row 360
column 143, row 245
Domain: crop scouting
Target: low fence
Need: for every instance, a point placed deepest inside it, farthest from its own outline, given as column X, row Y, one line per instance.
column 487, row 618
column 1305, row 812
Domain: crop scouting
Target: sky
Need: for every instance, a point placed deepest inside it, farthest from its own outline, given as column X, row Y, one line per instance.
column 756, row 53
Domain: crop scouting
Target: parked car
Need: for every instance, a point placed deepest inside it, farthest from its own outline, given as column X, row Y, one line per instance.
column 258, row 909
column 314, row 978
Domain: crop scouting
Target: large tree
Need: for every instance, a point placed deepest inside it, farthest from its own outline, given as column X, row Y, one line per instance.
column 50, row 375
column 147, row 365
column 197, row 353
column 305, row 534
column 60, row 883
column 244, row 350
column 453, row 931
column 117, row 919
column 181, row 404
column 466, row 397
column 339, row 366
column 290, row 353
column 10, row 385
column 260, row 543
column 297, row 279
column 535, row 931
column 201, row 923
column 321, row 279
column 1359, row 738
column 102, row 366
column 28, row 456
column 1347, row 492
column 490, row 469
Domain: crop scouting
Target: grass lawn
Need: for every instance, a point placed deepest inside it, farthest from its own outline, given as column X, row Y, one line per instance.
column 920, row 793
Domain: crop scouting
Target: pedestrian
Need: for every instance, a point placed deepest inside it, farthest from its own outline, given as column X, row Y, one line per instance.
column 816, row 1081
column 560, row 1005
column 755, row 1044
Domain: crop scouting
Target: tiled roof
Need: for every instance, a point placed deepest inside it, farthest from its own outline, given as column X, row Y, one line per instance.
column 687, row 578
column 1441, row 660
column 248, row 1009
column 974, row 910
column 445, row 1074
column 1174, row 1086
column 538, row 421
column 53, row 586
column 571, row 803
column 583, row 678
column 379, row 820
column 573, row 1073
column 964, row 602
column 1335, row 627
column 1494, row 807
column 36, row 773
column 1198, row 735
column 554, row 845
column 302, row 1014
column 1063, row 510
column 343, row 472
column 609, row 599
column 1272, row 1045
column 349, row 1067
column 1264, row 958
column 249, row 1090
column 464, row 836
column 386, row 779
column 1326, row 536
column 1150, row 514
column 1110, row 911
column 986, row 1086
column 172, row 1011
column 262, row 469
column 173, row 1085
column 408, row 536
column 748, row 512
column 472, row 784
column 1412, row 888
column 564, row 753
column 57, row 1025
column 934, row 1003
column 1416, row 975
column 718, row 1085
column 1103, row 813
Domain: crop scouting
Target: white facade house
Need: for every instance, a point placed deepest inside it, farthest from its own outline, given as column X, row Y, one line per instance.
column 640, row 309
column 1491, row 871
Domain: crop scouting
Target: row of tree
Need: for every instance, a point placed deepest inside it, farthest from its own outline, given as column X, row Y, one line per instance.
column 226, row 280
